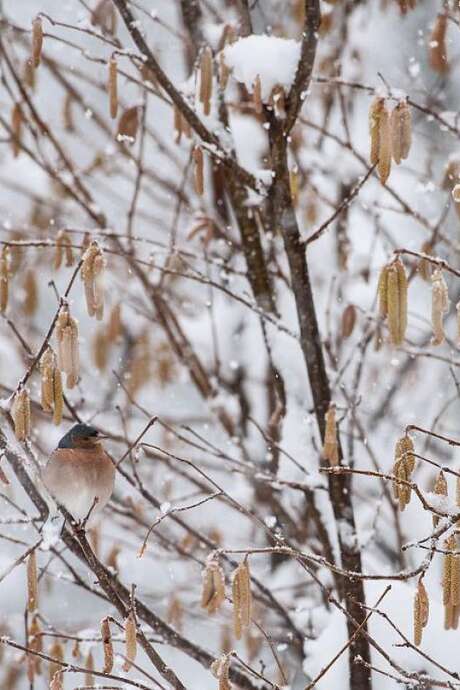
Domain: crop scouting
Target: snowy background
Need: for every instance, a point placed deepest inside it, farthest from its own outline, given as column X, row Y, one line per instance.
column 378, row 391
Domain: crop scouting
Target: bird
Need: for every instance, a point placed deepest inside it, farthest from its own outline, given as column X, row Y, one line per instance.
column 79, row 471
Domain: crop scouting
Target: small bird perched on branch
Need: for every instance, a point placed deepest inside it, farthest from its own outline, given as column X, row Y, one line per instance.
column 80, row 474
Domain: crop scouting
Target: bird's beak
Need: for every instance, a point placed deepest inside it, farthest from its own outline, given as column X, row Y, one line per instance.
column 100, row 437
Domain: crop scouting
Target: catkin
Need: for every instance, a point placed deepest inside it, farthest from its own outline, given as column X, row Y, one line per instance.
column 206, row 79
column 112, row 87
column 37, row 41
column 4, row 280
column 92, row 273
column 16, row 129
column 21, row 414
column 441, row 489
column 56, row 652
column 330, row 447
column 130, row 641
column 394, row 299
column 348, row 321
column 108, row 647
column 114, row 326
column 58, row 398
column 47, row 366
column 30, row 303
column 199, row 170
column 68, row 354
column 294, row 185
column 257, row 95
column 380, row 134
column 417, row 621
column 57, row 681
column 449, row 572
column 455, row 580
column 213, row 587
column 32, row 583
column 63, row 248
column 223, row 72
column 401, row 131
column 425, row 267
column 219, row 669
column 437, row 45
column 421, row 612
column 439, row 306
column 128, row 124
column 89, row 678
column 29, row 74
column 404, row 464
column 241, row 592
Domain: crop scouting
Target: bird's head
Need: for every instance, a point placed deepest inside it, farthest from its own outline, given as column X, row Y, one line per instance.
column 81, row 436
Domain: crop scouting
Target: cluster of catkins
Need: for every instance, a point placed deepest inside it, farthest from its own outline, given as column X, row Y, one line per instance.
column 392, row 294
column 67, row 359
column 213, row 592
column 57, row 651
column 404, row 465
column 390, row 133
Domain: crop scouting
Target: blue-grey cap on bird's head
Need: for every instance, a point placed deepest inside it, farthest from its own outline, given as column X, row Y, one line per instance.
column 80, row 436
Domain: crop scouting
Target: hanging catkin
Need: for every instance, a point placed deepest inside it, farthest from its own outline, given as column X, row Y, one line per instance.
column 241, row 592
column 437, row 45
column 108, row 647
column 112, row 87
column 219, row 669
column 16, row 129
column 199, row 170
column 47, row 366
column 68, row 359
column 92, row 274
column 439, row 306
column 37, row 41
column 4, row 279
column 63, row 248
column 421, row 612
column 404, row 463
column 392, row 293
column 257, row 95
column 330, row 447
column 130, row 641
column 380, row 134
column 32, row 583
column 401, row 131
column 440, row 489
column 21, row 414
column 57, row 681
column 450, row 577
column 30, row 303
column 206, row 79
column 213, row 587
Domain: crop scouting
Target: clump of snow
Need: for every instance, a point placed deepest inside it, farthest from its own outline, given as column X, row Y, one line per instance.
column 274, row 60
